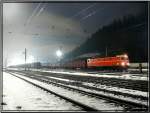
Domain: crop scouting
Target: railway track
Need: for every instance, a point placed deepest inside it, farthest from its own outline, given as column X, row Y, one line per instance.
column 79, row 84
column 81, row 105
column 21, row 95
column 122, row 83
column 128, row 84
column 129, row 105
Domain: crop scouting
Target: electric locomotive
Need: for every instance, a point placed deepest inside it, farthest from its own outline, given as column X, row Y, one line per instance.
column 120, row 62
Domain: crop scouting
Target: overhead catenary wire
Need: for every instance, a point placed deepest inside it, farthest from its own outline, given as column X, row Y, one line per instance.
column 33, row 14
column 88, row 15
column 91, row 14
column 36, row 12
column 41, row 10
column 83, row 10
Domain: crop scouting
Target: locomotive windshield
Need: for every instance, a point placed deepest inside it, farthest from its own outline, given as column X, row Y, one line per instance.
column 124, row 58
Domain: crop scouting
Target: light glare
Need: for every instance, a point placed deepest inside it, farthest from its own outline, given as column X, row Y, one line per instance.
column 20, row 60
column 58, row 53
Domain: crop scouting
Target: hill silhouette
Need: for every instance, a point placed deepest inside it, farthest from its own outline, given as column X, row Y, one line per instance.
column 126, row 35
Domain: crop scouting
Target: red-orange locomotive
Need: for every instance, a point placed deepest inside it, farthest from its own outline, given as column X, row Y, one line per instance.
column 120, row 62
column 116, row 62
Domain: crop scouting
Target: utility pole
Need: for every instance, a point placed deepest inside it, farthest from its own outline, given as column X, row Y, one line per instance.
column 140, row 67
column 36, row 62
column 106, row 51
column 5, row 63
column 25, row 56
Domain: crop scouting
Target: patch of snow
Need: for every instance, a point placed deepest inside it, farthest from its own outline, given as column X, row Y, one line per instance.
column 117, row 89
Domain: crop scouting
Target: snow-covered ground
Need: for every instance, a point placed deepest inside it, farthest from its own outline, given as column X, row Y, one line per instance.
column 128, row 76
column 98, row 85
column 99, row 104
column 96, row 103
column 110, row 88
column 20, row 95
column 136, row 65
column 123, row 76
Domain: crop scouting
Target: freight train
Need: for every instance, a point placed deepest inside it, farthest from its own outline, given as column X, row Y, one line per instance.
column 37, row 65
column 118, row 62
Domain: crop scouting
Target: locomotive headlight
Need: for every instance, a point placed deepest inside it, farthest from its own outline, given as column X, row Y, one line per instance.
column 125, row 56
column 123, row 63
column 128, row 64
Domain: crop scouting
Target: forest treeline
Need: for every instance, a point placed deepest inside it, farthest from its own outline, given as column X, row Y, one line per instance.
column 126, row 35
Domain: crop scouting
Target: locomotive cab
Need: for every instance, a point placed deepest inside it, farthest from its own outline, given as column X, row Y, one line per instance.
column 124, row 60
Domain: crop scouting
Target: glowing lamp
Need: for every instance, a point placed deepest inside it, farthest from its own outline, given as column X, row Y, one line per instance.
column 58, row 53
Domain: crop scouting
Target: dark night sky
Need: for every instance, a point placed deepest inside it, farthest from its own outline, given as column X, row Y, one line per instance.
column 43, row 28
